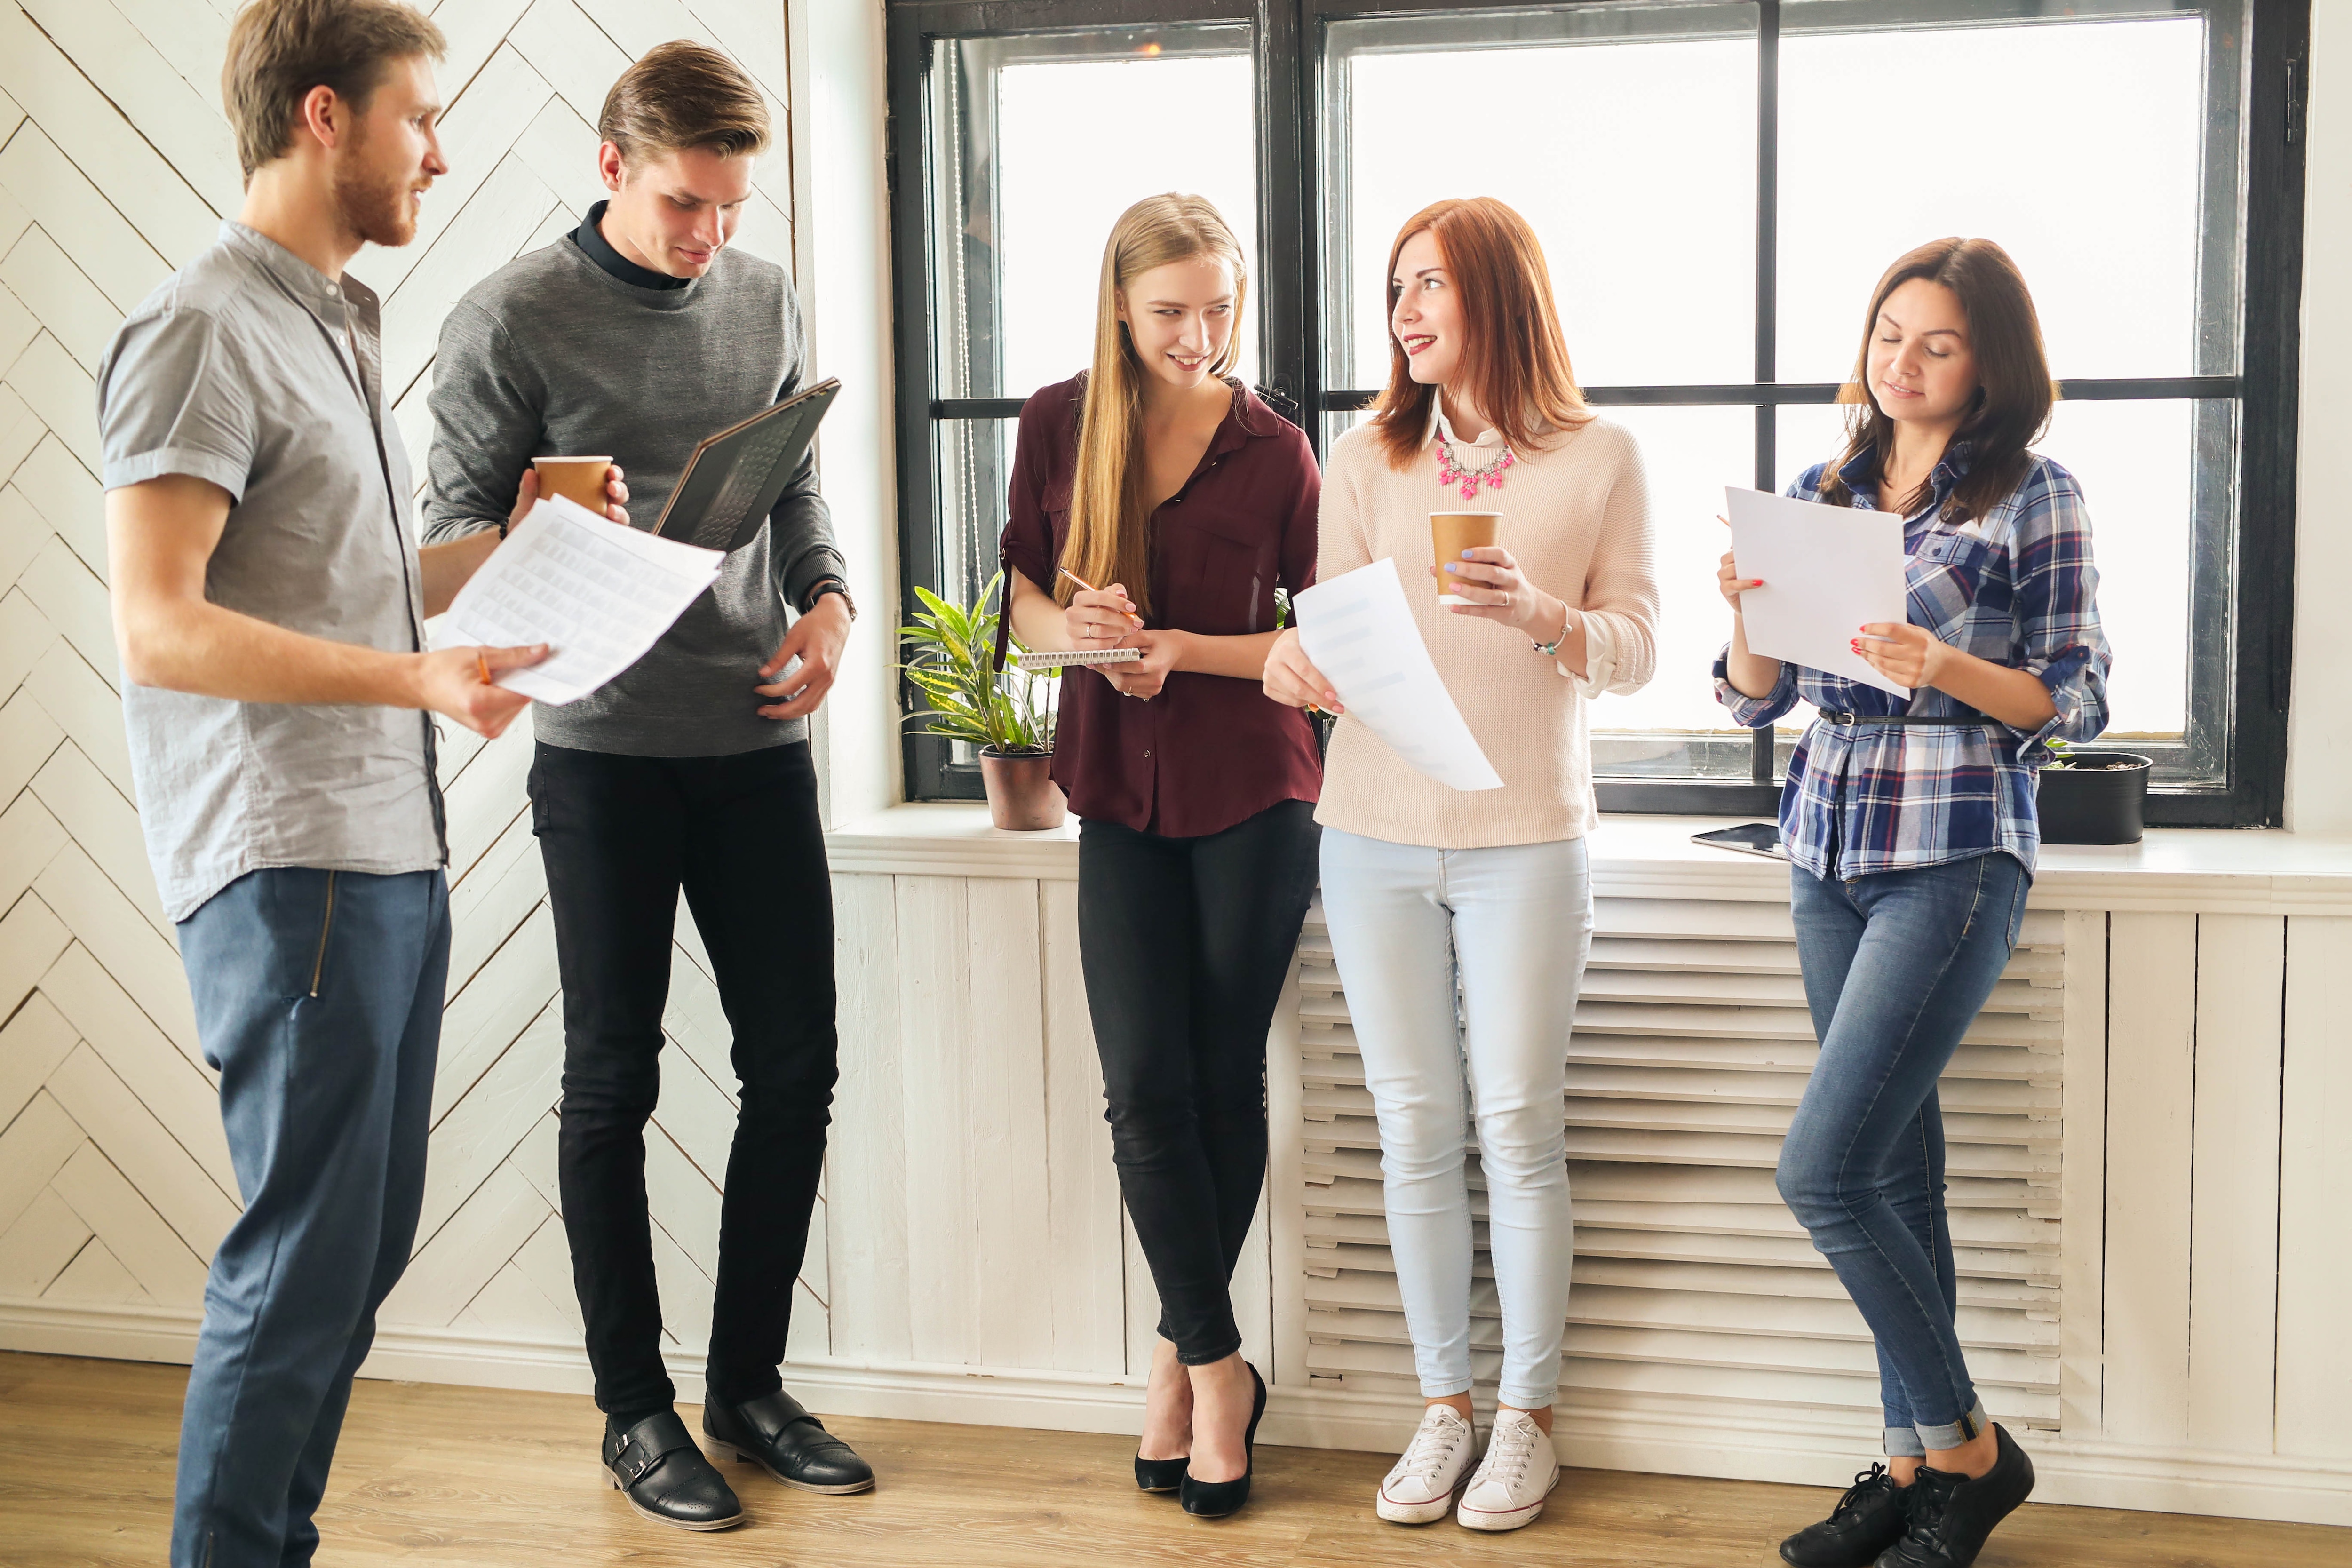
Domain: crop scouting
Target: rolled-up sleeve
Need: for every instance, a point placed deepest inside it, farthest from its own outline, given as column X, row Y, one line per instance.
column 2057, row 599
column 1621, row 588
column 1027, row 543
column 1750, row 712
column 174, row 398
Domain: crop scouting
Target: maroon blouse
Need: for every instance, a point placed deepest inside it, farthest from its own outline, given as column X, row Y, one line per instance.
column 1209, row 750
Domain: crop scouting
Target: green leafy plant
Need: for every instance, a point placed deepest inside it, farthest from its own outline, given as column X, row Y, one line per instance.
column 2063, row 754
column 950, row 656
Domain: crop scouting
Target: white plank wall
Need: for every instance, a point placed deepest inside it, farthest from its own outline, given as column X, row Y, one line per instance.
column 2233, row 1244
column 2151, row 1085
column 2314, row 1273
column 115, row 166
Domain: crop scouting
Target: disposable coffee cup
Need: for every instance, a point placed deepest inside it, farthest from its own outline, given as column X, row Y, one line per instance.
column 579, row 481
column 1451, row 533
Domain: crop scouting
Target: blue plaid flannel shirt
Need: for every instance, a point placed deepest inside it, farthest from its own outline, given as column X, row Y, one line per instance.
column 2017, row 588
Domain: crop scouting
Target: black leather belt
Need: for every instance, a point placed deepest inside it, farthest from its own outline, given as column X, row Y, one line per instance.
column 1966, row 720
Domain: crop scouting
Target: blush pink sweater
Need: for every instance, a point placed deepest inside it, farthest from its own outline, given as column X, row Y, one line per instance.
column 1577, row 517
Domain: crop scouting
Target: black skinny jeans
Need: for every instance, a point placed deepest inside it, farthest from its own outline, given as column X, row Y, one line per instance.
column 621, row 837
column 1186, row 943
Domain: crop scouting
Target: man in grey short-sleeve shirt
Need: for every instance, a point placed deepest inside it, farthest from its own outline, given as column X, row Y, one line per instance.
column 269, row 598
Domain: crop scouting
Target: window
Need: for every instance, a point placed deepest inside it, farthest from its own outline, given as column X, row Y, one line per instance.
column 1718, row 184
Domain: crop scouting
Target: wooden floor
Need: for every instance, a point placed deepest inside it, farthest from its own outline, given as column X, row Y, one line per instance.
column 435, row 1475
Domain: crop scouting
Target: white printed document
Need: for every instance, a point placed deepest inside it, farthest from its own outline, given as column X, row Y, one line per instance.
column 1828, row 571
column 598, row 592
column 1359, row 631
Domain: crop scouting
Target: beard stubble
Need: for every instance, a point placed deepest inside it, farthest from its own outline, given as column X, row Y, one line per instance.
column 373, row 203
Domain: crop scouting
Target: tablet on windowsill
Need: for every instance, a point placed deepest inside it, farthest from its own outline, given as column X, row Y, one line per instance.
column 1747, row 838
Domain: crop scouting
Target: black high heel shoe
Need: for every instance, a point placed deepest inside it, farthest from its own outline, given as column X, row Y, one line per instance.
column 1158, row 1475
column 1215, row 1500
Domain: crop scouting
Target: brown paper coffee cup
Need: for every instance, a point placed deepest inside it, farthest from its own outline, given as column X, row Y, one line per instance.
column 579, row 481
column 1451, row 533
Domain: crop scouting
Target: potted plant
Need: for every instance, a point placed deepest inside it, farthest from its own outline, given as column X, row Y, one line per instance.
column 951, row 662
column 2092, row 797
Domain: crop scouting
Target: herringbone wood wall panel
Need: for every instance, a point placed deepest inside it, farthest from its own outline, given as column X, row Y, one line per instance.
column 115, row 1183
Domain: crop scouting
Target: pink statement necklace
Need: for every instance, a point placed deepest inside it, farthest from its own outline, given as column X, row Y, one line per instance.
column 1451, row 471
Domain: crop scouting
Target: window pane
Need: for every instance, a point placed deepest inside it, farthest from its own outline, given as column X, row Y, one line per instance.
column 2093, row 155
column 973, row 460
column 2137, row 464
column 1046, row 141
column 1689, row 454
column 1625, row 135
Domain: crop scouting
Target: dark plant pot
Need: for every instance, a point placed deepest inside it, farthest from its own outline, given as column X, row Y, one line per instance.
column 1021, row 793
column 2094, row 804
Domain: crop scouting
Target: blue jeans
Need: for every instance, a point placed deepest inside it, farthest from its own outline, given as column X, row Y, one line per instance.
column 1897, row 965
column 319, row 999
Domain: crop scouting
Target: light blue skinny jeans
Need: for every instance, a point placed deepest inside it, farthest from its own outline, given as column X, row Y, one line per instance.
column 1513, row 925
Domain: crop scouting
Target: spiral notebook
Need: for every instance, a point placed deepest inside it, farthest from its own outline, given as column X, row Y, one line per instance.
column 1071, row 658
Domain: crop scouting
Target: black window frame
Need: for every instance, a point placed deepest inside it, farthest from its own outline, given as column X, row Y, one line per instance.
column 1287, row 59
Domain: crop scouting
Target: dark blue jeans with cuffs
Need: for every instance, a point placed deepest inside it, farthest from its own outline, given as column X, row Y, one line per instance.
column 1897, row 965
column 317, row 998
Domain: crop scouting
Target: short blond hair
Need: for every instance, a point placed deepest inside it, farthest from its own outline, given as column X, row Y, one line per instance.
column 683, row 94
column 279, row 50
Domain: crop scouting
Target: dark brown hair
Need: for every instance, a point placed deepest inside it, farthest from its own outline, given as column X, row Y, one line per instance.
column 1514, row 360
column 684, row 94
column 2013, row 394
column 279, row 50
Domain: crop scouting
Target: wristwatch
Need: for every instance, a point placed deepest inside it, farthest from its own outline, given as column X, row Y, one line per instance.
column 831, row 585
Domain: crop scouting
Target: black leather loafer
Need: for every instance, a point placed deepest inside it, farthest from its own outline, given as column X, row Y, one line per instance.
column 776, row 1434
column 1870, row 1518
column 656, row 1466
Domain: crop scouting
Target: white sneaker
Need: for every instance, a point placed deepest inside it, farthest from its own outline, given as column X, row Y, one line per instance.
column 1420, row 1488
column 1517, row 1473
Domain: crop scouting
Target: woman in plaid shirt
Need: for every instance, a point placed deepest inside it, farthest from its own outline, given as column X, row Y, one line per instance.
column 1911, row 828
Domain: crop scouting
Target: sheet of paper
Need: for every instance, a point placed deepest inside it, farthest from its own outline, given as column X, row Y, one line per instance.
column 1359, row 631
column 1828, row 571
column 596, row 591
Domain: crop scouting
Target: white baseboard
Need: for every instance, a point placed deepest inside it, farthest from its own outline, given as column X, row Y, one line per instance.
column 1668, row 1437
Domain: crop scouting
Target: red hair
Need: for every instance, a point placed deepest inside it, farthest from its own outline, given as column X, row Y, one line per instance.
column 1514, row 361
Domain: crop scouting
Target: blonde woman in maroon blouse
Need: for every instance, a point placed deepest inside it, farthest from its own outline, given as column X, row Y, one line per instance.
column 1158, row 504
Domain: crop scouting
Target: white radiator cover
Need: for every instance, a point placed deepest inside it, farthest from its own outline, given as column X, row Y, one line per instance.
column 1691, row 1048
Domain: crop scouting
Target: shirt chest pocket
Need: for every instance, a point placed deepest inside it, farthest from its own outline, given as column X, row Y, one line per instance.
column 1948, row 571
column 1222, row 566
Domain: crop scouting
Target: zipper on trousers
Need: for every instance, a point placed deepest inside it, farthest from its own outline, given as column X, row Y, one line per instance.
column 326, row 925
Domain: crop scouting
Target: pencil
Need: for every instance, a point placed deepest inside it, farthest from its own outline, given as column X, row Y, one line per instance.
column 1090, row 588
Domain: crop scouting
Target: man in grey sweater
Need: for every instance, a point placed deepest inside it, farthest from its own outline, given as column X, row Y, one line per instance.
column 637, row 335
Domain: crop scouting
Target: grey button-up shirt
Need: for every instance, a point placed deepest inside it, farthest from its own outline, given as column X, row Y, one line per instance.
column 250, row 368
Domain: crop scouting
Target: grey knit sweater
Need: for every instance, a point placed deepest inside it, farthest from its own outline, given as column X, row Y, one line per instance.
column 552, row 355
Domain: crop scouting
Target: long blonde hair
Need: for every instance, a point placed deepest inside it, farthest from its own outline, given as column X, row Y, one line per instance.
column 1110, row 530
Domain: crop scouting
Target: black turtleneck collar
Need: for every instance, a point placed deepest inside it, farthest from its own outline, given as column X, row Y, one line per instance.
column 589, row 239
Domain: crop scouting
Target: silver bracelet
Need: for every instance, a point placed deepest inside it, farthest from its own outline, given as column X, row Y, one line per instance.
column 1567, row 625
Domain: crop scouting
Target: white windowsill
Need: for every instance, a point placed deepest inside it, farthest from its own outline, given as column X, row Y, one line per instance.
column 2210, row 869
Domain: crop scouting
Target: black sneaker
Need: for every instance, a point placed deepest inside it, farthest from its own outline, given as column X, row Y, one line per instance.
column 1951, row 1515
column 1869, row 1519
